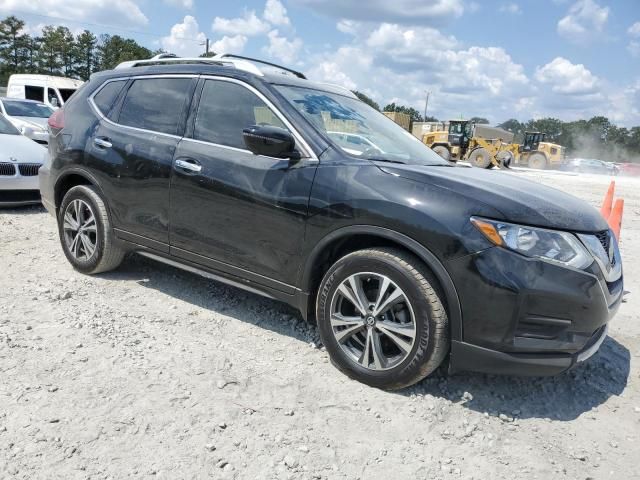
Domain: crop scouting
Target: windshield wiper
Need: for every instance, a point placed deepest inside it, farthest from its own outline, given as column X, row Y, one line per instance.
column 374, row 159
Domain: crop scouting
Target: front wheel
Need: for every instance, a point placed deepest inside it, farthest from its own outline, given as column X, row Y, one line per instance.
column 480, row 158
column 538, row 161
column 381, row 319
column 442, row 151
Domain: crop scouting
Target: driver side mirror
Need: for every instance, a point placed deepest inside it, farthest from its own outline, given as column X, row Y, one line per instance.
column 54, row 102
column 270, row 141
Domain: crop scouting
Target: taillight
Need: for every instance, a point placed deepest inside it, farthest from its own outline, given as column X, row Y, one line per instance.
column 56, row 120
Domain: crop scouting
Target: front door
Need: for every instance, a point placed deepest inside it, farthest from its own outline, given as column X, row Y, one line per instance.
column 232, row 210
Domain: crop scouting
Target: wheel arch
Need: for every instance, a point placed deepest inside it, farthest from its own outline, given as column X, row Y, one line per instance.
column 348, row 239
column 72, row 178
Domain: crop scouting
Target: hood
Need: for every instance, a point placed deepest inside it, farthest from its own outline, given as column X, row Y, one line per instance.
column 517, row 199
column 35, row 122
column 20, row 149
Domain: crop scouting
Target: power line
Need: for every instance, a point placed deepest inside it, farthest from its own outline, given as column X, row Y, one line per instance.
column 101, row 25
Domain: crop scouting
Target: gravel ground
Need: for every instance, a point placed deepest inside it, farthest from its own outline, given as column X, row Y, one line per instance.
column 151, row 372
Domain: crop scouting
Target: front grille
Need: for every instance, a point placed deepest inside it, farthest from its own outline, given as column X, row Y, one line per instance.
column 605, row 239
column 29, row 169
column 7, row 170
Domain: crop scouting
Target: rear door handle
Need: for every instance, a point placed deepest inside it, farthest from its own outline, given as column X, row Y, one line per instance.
column 102, row 142
column 188, row 165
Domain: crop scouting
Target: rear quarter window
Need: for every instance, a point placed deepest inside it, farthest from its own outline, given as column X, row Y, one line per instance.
column 155, row 104
column 107, row 95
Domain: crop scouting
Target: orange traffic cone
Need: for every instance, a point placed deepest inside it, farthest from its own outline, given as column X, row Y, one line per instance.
column 605, row 211
column 615, row 220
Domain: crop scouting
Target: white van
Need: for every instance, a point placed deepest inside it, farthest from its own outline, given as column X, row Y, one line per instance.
column 50, row 90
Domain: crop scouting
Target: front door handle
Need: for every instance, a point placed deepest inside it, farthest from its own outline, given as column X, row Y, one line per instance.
column 188, row 165
column 102, row 142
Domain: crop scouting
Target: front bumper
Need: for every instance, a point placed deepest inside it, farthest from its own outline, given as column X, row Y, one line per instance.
column 16, row 190
column 473, row 358
column 525, row 316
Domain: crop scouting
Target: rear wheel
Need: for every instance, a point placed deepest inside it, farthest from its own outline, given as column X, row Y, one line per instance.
column 480, row 158
column 538, row 161
column 85, row 232
column 381, row 319
column 442, row 151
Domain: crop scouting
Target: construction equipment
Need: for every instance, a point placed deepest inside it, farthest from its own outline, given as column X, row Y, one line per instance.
column 459, row 142
column 535, row 152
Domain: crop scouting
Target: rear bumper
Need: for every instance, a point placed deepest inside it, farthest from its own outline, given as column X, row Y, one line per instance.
column 465, row 356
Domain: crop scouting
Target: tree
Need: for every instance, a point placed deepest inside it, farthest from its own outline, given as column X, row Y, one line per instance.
column 85, row 54
column 12, row 44
column 479, row 120
column 114, row 49
column 412, row 112
column 49, row 55
column 366, row 99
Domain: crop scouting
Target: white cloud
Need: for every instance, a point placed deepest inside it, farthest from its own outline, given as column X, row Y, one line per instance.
column 188, row 4
column 634, row 48
column 110, row 12
column 185, row 38
column 398, row 11
column 512, row 8
column 634, row 30
column 281, row 48
column 275, row 13
column 567, row 78
column 584, row 21
column 229, row 44
column 249, row 25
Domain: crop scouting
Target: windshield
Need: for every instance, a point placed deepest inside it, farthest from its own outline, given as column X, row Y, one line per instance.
column 26, row 109
column 358, row 129
column 7, row 128
column 66, row 93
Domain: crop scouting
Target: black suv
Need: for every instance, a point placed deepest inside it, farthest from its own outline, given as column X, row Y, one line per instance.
column 299, row 191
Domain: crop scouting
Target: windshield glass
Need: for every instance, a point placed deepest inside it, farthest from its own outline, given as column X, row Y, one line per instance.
column 7, row 128
column 66, row 93
column 26, row 109
column 358, row 129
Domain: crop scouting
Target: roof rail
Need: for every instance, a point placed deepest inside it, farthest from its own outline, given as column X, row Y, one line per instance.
column 241, row 63
column 230, row 57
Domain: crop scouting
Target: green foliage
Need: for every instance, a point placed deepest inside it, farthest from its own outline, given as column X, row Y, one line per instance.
column 415, row 115
column 479, row 120
column 58, row 52
column 366, row 99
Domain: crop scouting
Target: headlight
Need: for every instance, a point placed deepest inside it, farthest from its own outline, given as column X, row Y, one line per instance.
column 551, row 245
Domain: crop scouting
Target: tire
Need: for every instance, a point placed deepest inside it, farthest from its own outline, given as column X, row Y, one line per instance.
column 84, row 202
column 443, row 152
column 505, row 158
column 538, row 161
column 418, row 311
column 480, row 158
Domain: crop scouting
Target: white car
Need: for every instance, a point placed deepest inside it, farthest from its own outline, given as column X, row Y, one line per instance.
column 29, row 117
column 20, row 160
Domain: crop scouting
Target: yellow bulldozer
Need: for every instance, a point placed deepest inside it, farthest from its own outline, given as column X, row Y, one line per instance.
column 459, row 142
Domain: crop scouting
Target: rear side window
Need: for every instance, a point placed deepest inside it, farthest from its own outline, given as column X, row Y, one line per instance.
column 226, row 109
column 155, row 104
column 107, row 96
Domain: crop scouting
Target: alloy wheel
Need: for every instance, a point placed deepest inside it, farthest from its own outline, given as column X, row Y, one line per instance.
column 80, row 231
column 373, row 321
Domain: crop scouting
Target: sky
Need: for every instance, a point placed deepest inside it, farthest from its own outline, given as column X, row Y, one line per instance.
column 523, row 59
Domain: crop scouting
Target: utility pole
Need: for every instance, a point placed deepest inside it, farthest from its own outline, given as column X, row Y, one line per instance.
column 206, row 50
column 426, row 105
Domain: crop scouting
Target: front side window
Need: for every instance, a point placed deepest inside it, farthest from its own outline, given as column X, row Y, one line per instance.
column 155, row 104
column 226, row 109
column 358, row 129
column 17, row 108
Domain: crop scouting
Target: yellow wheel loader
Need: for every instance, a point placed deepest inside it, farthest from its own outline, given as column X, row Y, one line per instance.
column 535, row 152
column 460, row 143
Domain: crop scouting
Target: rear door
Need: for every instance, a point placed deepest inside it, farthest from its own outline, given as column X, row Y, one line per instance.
column 232, row 210
column 133, row 145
